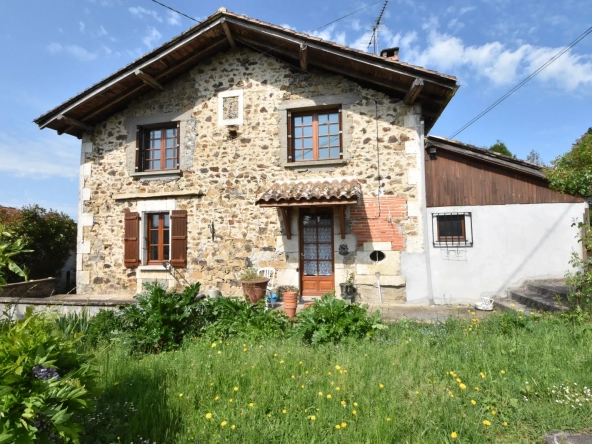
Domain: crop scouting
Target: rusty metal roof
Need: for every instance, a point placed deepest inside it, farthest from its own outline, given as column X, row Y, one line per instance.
column 342, row 190
column 225, row 30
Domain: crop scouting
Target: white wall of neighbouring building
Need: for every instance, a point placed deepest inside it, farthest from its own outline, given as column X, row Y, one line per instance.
column 511, row 243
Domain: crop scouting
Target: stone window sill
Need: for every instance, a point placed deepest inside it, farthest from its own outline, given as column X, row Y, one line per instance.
column 314, row 163
column 151, row 268
column 157, row 174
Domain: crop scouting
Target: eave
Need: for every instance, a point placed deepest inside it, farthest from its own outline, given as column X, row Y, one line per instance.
column 225, row 31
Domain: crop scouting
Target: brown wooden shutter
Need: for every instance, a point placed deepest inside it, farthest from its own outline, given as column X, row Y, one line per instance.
column 179, row 238
column 131, row 239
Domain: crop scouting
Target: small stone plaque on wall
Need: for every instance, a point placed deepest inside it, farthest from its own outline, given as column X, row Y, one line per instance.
column 230, row 108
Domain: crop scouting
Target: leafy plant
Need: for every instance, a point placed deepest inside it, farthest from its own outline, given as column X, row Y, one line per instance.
column 44, row 381
column 572, row 172
column 9, row 248
column 350, row 279
column 161, row 319
column 227, row 317
column 332, row 320
column 249, row 274
column 580, row 278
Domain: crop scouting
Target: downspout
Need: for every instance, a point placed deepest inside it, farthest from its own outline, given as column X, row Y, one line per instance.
column 423, row 203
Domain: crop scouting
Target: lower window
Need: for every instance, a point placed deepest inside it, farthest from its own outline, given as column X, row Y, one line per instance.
column 158, row 237
column 452, row 230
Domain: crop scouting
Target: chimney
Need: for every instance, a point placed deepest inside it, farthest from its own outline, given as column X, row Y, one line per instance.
column 390, row 53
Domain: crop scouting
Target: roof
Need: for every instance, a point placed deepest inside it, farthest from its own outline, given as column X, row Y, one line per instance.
column 485, row 155
column 226, row 30
column 339, row 190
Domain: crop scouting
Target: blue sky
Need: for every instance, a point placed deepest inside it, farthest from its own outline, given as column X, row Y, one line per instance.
column 51, row 51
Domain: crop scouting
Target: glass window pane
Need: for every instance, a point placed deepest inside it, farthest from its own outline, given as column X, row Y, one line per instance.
column 334, row 140
column 325, row 268
column 170, row 143
column 154, row 253
column 334, row 128
column 297, row 132
column 171, row 132
column 155, row 144
column 167, row 221
column 310, row 235
column 324, row 220
column 323, row 118
column 169, row 164
column 334, row 152
column 325, row 234
column 155, row 134
column 323, row 153
column 153, row 237
column 170, row 154
column 308, row 154
column 307, row 143
column 310, row 251
column 297, row 120
column 450, row 225
column 156, row 165
column 323, row 141
column 310, row 268
column 155, row 220
column 323, row 129
column 334, row 117
column 325, row 252
column 165, row 237
column 165, row 256
column 308, row 131
column 148, row 155
column 309, row 221
column 298, row 155
column 298, row 143
column 307, row 120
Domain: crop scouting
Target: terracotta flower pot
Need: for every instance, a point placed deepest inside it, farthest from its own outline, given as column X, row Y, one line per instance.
column 255, row 289
column 290, row 303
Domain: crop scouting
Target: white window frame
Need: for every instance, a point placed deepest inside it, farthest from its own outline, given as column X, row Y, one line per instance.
column 145, row 208
column 225, row 94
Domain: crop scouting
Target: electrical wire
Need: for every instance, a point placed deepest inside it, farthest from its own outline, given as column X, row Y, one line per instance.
column 174, row 10
column 523, row 82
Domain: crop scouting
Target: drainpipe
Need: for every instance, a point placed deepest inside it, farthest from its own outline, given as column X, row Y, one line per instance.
column 423, row 203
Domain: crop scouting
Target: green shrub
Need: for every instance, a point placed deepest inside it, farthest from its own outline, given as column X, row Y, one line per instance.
column 44, row 381
column 160, row 320
column 226, row 317
column 332, row 320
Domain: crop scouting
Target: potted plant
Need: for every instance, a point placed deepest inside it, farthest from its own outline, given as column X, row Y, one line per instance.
column 290, row 296
column 254, row 286
column 347, row 287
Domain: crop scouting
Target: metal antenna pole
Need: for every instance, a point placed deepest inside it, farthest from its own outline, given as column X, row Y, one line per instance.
column 374, row 38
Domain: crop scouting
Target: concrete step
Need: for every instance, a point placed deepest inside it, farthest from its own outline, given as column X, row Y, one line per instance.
column 506, row 304
column 549, row 288
column 535, row 300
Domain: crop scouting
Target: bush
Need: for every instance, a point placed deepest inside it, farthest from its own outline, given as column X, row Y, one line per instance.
column 44, row 381
column 160, row 320
column 226, row 317
column 332, row 320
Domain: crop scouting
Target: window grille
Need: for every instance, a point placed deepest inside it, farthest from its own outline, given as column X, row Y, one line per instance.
column 452, row 230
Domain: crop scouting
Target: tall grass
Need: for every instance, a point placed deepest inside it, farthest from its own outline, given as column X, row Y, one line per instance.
column 400, row 386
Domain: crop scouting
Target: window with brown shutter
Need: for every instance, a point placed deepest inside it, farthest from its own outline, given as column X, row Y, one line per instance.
column 131, row 246
column 157, row 147
column 179, row 238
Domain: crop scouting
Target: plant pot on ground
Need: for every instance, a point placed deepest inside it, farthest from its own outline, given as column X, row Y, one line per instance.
column 290, row 296
column 347, row 287
column 254, row 286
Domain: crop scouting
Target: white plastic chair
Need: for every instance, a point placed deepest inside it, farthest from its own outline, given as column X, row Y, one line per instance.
column 267, row 272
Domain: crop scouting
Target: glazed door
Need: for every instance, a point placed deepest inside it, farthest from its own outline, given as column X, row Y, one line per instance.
column 316, row 252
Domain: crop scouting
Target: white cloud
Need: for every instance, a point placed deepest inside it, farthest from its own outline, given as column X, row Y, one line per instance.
column 140, row 12
column 173, row 18
column 78, row 52
column 81, row 26
column 54, row 47
column 102, row 32
column 151, row 37
column 40, row 158
column 329, row 34
column 285, row 25
column 464, row 10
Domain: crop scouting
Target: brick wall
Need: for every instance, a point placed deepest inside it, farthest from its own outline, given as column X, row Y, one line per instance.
column 372, row 221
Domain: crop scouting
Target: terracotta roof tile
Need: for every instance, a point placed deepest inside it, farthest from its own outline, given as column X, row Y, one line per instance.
column 314, row 190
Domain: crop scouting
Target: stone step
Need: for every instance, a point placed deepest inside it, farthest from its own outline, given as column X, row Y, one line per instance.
column 506, row 304
column 535, row 300
column 549, row 288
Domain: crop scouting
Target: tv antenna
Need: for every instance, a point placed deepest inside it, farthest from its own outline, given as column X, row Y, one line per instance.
column 374, row 37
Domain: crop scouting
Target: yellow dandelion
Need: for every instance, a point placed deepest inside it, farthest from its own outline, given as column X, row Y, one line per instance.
column 343, row 425
column 320, row 393
column 458, row 380
column 487, row 423
column 355, row 404
column 381, row 386
column 213, row 345
column 417, row 393
column 233, row 427
column 388, row 419
column 293, row 377
column 223, row 423
column 505, row 424
column 216, row 398
column 180, row 395
column 454, row 435
column 329, row 373
column 230, row 400
column 337, row 388
column 477, row 388
column 337, row 426
column 219, row 352
column 269, row 415
column 337, row 367
column 275, row 355
column 366, row 354
column 354, row 412
column 313, row 418
column 503, row 372
column 300, row 363
column 208, row 416
column 462, row 386
column 306, row 372
column 236, row 389
column 282, row 361
column 512, row 305
column 482, row 375
column 473, row 402
column 211, row 384
column 332, row 383
column 343, row 403
column 284, row 411
column 244, row 349
column 116, row 383
column 260, row 346
column 251, row 404
column 302, row 386
column 493, row 412
column 329, row 396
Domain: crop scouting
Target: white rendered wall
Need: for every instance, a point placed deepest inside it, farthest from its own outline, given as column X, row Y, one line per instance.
column 512, row 243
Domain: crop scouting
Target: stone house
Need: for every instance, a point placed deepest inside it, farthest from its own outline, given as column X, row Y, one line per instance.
column 240, row 142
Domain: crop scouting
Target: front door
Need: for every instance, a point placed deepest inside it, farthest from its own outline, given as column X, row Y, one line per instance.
column 316, row 252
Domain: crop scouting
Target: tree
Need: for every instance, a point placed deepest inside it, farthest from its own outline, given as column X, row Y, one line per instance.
column 50, row 237
column 535, row 158
column 572, row 172
column 501, row 148
column 10, row 246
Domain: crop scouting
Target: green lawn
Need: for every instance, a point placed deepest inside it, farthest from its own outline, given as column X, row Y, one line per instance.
column 399, row 386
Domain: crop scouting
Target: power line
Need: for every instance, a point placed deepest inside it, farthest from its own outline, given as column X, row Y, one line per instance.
column 174, row 10
column 523, row 82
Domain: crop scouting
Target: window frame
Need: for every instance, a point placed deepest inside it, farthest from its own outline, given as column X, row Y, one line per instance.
column 143, row 145
column 314, row 112
column 464, row 240
column 161, row 241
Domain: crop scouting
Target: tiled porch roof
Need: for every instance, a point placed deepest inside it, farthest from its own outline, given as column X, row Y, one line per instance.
column 310, row 192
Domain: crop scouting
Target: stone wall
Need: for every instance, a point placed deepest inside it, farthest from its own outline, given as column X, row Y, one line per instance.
column 231, row 169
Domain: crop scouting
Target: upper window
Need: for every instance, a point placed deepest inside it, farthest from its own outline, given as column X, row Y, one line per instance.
column 452, row 229
column 315, row 135
column 158, row 148
column 158, row 237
